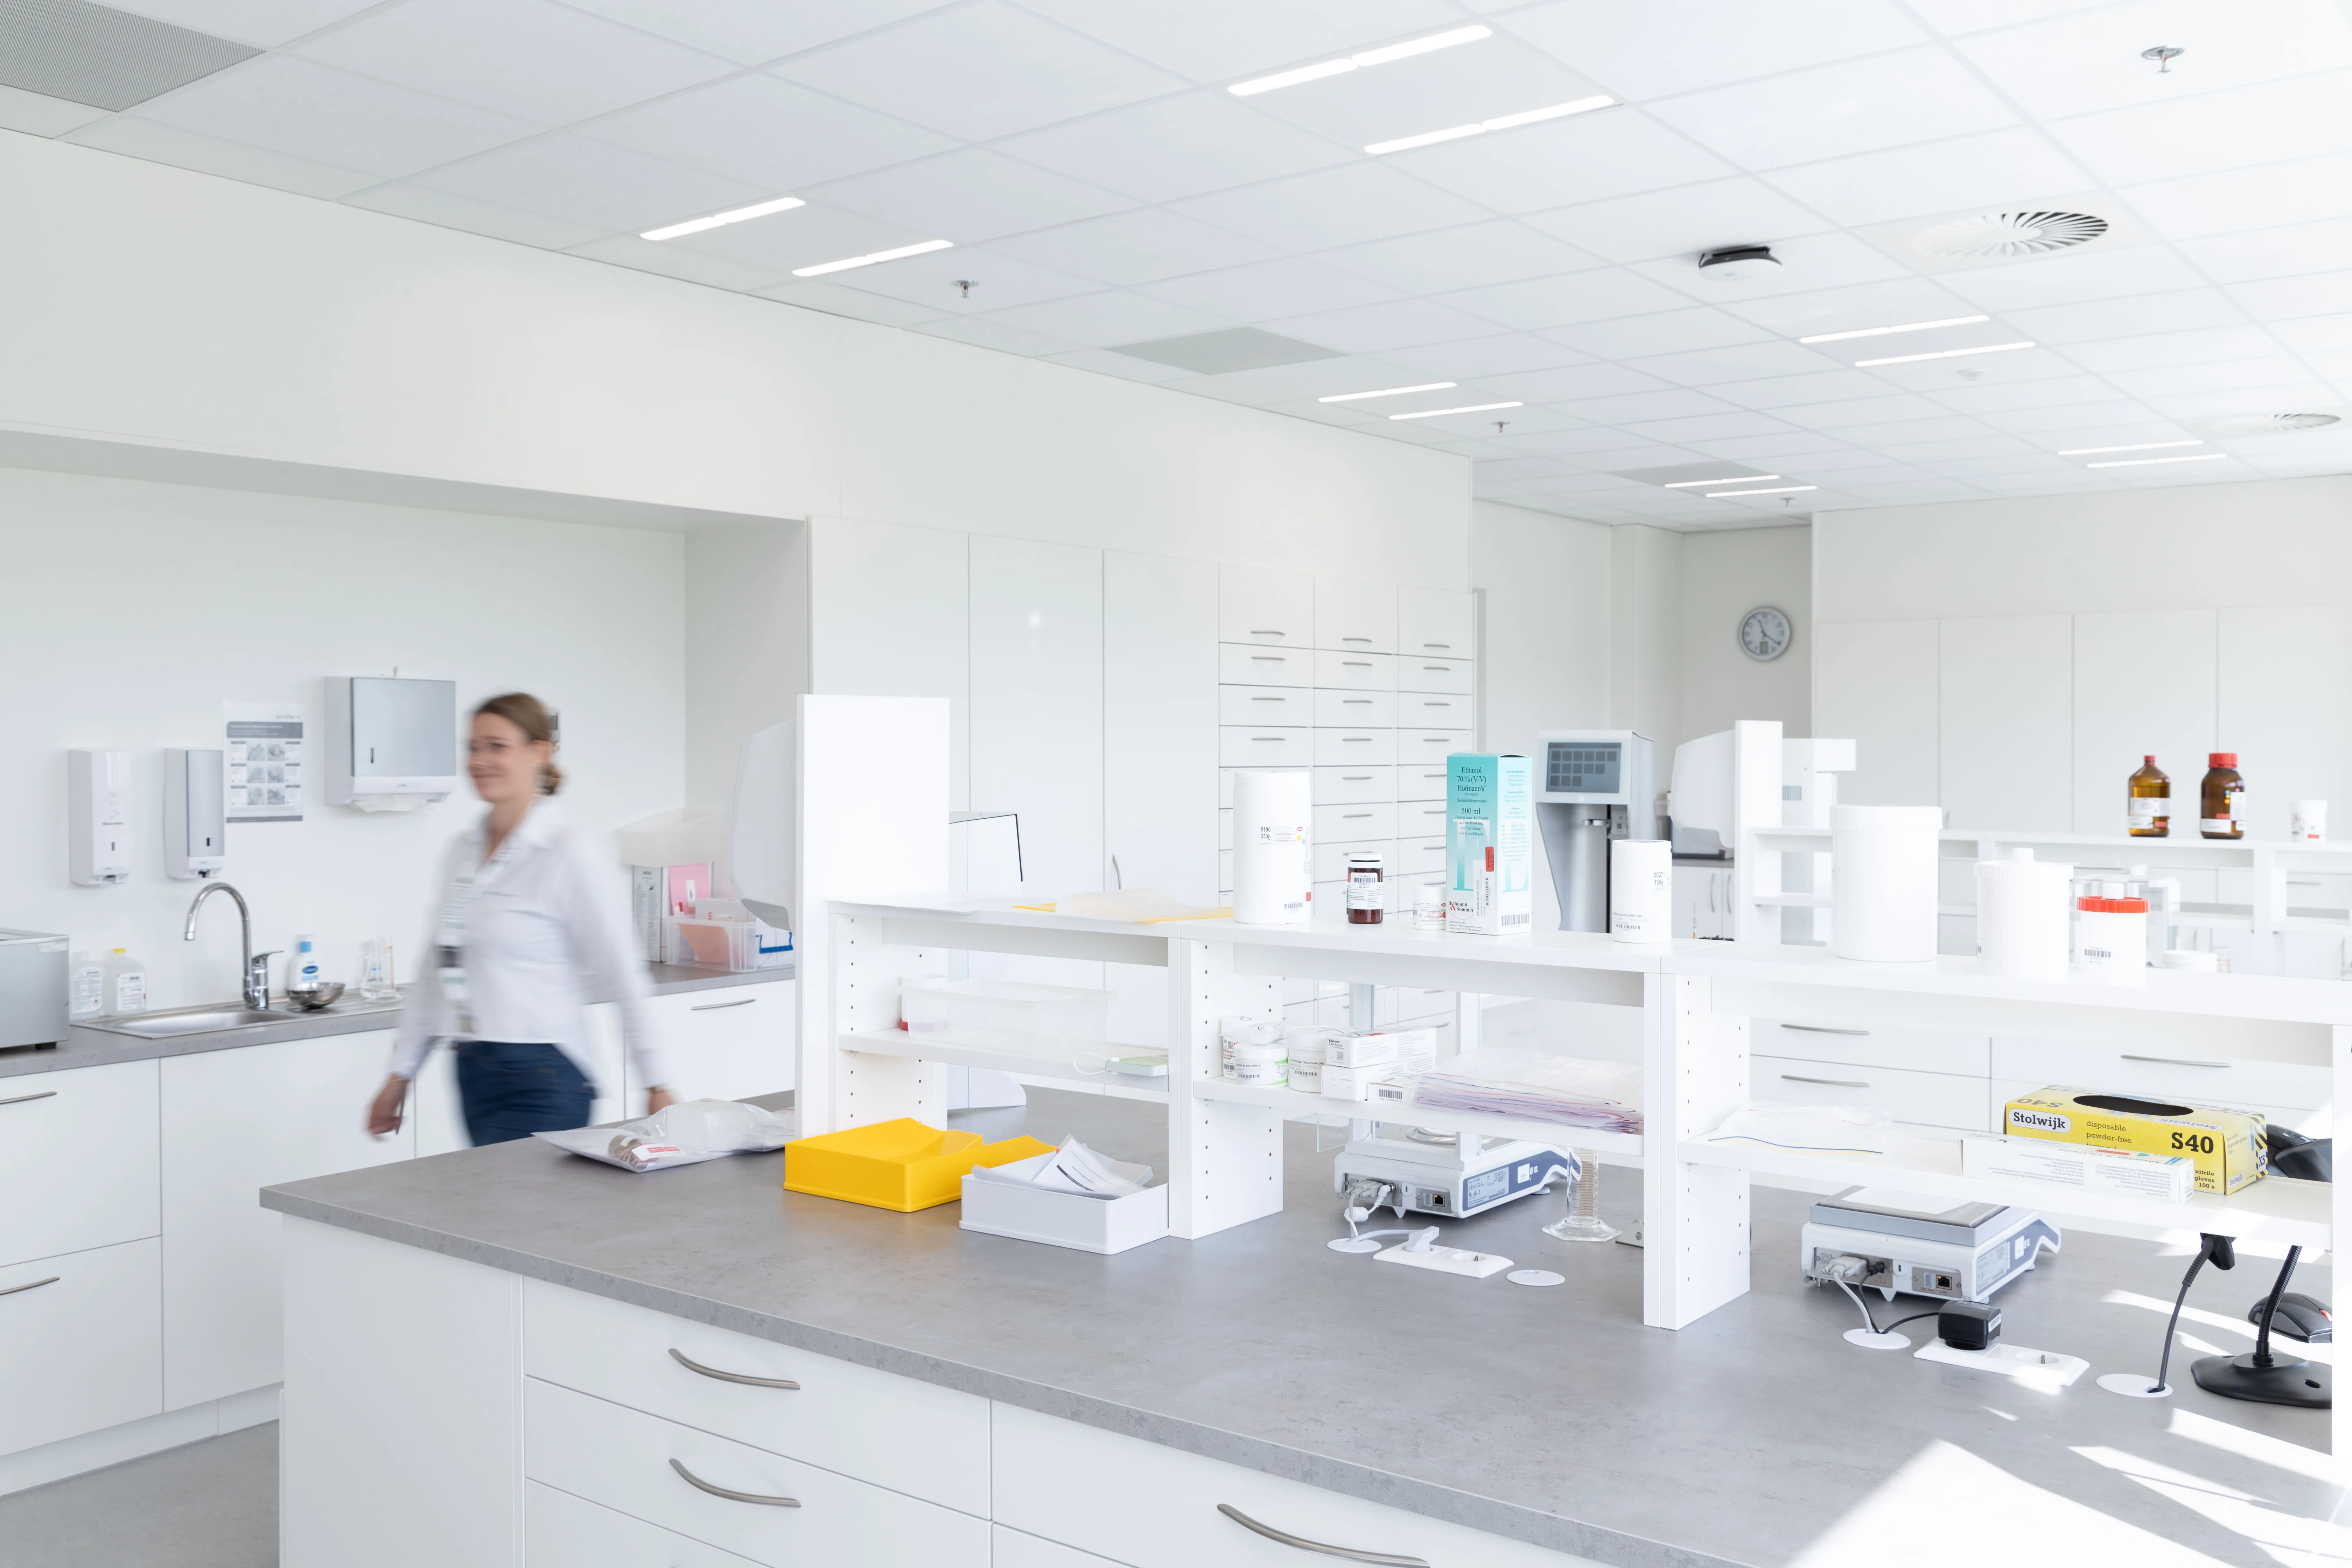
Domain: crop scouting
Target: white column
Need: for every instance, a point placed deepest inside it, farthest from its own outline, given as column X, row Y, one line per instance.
column 1224, row 1160
column 1695, row 1221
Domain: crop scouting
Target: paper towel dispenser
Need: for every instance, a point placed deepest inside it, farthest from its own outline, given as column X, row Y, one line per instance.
column 390, row 741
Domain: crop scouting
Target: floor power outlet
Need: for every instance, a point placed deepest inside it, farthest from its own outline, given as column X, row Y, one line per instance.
column 1448, row 1261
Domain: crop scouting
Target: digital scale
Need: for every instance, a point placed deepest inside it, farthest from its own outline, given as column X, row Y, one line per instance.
column 1445, row 1172
column 1922, row 1246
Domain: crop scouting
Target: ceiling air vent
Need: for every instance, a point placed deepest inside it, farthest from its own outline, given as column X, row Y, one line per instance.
column 2266, row 424
column 2009, row 235
column 101, row 57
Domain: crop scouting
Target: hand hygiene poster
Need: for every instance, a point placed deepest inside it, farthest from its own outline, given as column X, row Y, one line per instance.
column 265, row 761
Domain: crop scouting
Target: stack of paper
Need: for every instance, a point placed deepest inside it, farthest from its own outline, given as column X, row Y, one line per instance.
column 1071, row 1168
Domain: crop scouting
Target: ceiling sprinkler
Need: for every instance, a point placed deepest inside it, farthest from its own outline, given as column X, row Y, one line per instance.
column 965, row 284
column 2163, row 55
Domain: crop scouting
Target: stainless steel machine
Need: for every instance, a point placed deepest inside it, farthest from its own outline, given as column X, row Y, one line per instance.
column 1595, row 787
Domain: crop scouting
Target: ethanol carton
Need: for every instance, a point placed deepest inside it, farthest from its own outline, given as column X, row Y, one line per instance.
column 1489, row 843
column 2228, row 1147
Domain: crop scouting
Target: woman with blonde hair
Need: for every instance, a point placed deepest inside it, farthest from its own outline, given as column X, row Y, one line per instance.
column 528, row 913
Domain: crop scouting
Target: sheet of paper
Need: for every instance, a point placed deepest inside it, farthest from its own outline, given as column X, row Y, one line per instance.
column 265, row 760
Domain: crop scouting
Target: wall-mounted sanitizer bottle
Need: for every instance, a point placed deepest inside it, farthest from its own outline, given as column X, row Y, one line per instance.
column 98, row 790
column 196, row 812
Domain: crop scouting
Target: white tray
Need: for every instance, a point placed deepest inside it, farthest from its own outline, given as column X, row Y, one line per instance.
column 1065, row 1219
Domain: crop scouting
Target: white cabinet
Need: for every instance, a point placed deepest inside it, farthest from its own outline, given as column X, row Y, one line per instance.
column 233, row 1122
column 1436, row 710
column 1928, row 1099
column 1366, row 819
column 1354, row 670
column 1436, row 621
column 1419, row 672
column 1345, row 785
column 1356, row 618
column 2006, row 703
column 1265, row 746
column 1267, row 607
column 1421, row 778
column 1241, row 664
column 81, row 1343
column 729, row 1042
column 1018, row 1549
column 1355, row 707
column 561, row 1530
column 83, row 1139
column 890, row 614
column 1037, row 704
column 1351, row 748
column 1248, row 705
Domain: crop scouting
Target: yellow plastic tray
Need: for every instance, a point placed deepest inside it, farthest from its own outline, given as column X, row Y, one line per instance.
column 902, row 1164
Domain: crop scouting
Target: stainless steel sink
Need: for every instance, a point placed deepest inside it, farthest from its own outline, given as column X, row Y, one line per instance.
column 176, row 1021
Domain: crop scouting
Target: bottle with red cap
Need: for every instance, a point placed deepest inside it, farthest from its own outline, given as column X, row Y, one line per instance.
column 2219, row 814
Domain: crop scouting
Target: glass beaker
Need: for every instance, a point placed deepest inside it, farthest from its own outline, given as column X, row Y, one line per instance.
column 1582, row 1222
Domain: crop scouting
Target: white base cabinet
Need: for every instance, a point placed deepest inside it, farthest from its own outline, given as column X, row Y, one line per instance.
column 80, row 1342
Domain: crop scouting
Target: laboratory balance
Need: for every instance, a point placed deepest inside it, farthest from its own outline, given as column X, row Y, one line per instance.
column 1456, row 1174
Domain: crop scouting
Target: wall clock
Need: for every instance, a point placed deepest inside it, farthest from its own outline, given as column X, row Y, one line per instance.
column 1764, row 633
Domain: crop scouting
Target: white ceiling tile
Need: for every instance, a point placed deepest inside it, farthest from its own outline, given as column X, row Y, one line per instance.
column 1466, row 85
column 969, row 195
column 1619, row 410
column 670, row 261
column 1709, row 427
column 1990, row 169
column 2088, row 320
column 2081, row 278
column 2206, row 345
column 1570, row 386
column 1471, row 257
column 1793, row 391
column 1803, row 314
column 1502, row 354
column 1557, row 162
column 2213, row 130
column 1681, row 222
column 1662, row 333
column 1907, row 413
column 1604, row 294
column 2256, row 381
column 2283, row 299
column 2111, row 424
column 310, row 111
column 1809, row 262
column 752, row 32
column 1837, row 111
column 1647, row 51
column 1138, row 246
column 983, row 333
column 1346, row 205
column 1371, row 329
column 473, row 216
column 2077, row 390
column 2002, row 370
column 2313, row 334
column 210, row 155
column 1784, row 448
column 824, row 294
column 2273, row 252
column 1349, row 373
column 2090, row 61
column 1102, row 362
column 1209, row 40
column 268, row 23
column 1748, row 361
column 999, row 282
column 1265, row 289
column 1113, row 316
column 38, row 114
column 764, row 132
column 1180, row 146
column 529, row 58
column 2295, row 191
column 978, row 71
column 607, row 188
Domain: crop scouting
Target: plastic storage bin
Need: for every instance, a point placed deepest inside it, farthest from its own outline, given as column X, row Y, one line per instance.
column 903, row 1164
column 1004, row 1006
column 1064, row 1219
column 725, row 945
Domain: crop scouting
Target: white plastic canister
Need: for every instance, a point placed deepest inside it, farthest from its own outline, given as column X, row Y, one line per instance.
column 2023, row 916
column 1274, row 846
column 1882, row 882
column 1641, row 889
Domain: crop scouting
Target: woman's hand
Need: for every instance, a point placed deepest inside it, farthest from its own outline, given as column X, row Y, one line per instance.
column 384, row 1112
column 657, row 1099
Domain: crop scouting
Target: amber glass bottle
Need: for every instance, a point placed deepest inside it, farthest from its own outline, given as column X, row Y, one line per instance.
column 2217, row 810
column 2151, row 802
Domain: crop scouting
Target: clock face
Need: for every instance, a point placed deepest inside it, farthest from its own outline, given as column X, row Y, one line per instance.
column 1764, row 633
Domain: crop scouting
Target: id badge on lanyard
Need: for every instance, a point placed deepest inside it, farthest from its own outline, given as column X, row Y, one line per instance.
column 451, row 946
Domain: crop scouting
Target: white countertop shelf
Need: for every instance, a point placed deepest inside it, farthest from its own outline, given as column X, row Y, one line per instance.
column 1038, row 1056
column 1615, row 1148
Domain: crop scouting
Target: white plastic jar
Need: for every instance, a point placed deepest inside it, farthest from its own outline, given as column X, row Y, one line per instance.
column 1257, row 1056
column 1429, row 906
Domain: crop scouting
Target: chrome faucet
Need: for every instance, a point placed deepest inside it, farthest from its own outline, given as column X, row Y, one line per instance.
column 257, row 964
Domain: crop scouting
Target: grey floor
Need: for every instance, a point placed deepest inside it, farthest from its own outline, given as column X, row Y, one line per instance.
column 211, row 1504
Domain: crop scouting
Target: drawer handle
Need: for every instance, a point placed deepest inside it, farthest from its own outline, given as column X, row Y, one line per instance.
column 1365, row 701
column 20, row 1099
column 1269, row 737
column 1443, row 645
column 1361, row 816
column 34, row 1285
column 722, row 1006
column 698, row 1483
column 1300, row 1541
column 1355, row 639
column 2173, row 1061
column 1269, row 698
column 1822, row 1029
column 1355, row 778
column 1437, row 705
column 690, row 1364
column 1268, row 658
column 1832, row 1083
column 1265, row 632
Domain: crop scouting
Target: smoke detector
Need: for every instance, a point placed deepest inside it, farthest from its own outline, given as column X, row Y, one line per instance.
column 2011, row 235
column 1740, row 263
column 2266, row 424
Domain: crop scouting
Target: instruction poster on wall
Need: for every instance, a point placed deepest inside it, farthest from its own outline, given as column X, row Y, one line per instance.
column 265, row 761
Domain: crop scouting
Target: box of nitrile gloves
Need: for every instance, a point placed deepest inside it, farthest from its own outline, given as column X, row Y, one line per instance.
column 1489, row 843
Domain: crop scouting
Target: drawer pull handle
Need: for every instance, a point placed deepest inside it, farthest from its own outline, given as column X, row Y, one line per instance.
column 699, row 1484
column 1444, row 645
column 1268, row 658
column 744, row 1377
column 2173, row 1061
column 1354, row 815
column 1831, row 1082
column 20, row 1099
column 34, row 1285
column 1355, row 639
column 1300, row 1541
column 1269, row 737
column 1263, row 632
column 1355, row 778
column 1822, row 1029
column 1351, row 701
column 722, row 1006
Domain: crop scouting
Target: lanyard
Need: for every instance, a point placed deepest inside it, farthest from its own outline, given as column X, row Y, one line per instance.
column 455, row 913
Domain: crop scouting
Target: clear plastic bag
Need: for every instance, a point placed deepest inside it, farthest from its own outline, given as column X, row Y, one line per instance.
column 686, row 1133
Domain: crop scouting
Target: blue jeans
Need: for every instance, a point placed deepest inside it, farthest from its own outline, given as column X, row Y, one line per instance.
column 512, row 1091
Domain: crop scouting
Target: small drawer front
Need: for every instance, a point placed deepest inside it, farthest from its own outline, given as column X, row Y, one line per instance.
column 1256, row 606
column 1421, row 673
column 1418, row 747
column 1434, row 710
column 561, row 1530
column 1256, row 664
column 1340, row 748
column 1417, row 1003
column 1355, row 617
column 1420, row 780
column 625, row 1460
column 1435, row 621
column 1923, row 1050
column 85, row 1139
column 1421, row 820
column 1342, row 824
column 1355, row 672
column 2163, row 1072
column 913, row 1438
column 729, row 1042
column 1331, row 861
column 1265, row 746
column 82, row 1343
column 1421, row 857
column 1249, row 705
column 1934, row 1098
column 1346, row 707
column 1346, row 786
column 2323, row 893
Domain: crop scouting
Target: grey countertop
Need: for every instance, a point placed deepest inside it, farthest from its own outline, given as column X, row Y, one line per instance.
column 86, row 1047
column 1756, row 1436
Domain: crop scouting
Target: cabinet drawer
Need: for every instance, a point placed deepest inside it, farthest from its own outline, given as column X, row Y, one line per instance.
column 1255, row 605
column 1139, row 1503
column 1434, row 621
column 1338, row 748
column 1355, row 617
column 1434, row 711
column 1250, row 705
column 1925, row 1050
column 1265, row 746
column 1017, row 1549
column 1423, row 674
column 1421, row 820
column 84, row 1351
column 729, row 1042
column 1421, row 857
column 1355, row 672
column 623, row 1459
column 1420, row 780
column 1331, row 861
column 1348, row 707
column 1345, row 785
column 1935, row 1099
column 85, row 1139
column 561, row 1530
column 1343, row 824
column 910, row 1436
column 2159, row 1070
column 1418, row 1003
column 1415, row 745
column 1248, row 664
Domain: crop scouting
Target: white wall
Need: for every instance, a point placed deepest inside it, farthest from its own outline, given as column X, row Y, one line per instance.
column 1725, row 576
column 130, row 612
column 1645, row 687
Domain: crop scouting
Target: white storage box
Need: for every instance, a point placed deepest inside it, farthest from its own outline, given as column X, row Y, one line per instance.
column 1019, row 1006
column 1064, row 1219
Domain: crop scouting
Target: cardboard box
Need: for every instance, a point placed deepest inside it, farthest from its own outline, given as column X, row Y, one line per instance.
column 2087, row 1167
column 2228, row 1147
column 1489, row 843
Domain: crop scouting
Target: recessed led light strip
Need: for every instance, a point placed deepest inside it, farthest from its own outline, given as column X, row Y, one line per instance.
column 2142, row 446
column 1502, row 122
column 1473, row 408
column 2143, row 462
column 1775, row 490
column 872, row 256
column 1379, row 57
column 1947, row 353
column 721, row 220
column 1387, row 392
column 1723, row 479
column 1884, row 331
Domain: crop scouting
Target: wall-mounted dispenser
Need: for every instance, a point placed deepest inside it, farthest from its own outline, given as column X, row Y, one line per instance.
column 98, row 813
column 195, row 811
column 390, row 743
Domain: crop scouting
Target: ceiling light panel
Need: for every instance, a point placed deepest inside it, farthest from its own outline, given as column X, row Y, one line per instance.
column 872, row 257
column 1774, row 490
column 1386, row 391
column 2151, row 462
column 1455, row 86
column 2136, row 447
column 808, row 235
column 1363, row 60
column 1889, row 331
column 1501, row 122
column 721, row 220
column 1463, row 408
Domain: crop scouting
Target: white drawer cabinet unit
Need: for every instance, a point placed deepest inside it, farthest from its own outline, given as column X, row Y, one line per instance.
column 730, row 1042
column 81, row 1346
column 1435, row 623
column 1355, row 617
column 85, row 1141
column 1269, row 608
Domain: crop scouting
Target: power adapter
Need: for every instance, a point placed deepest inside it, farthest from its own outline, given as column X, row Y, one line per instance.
column 1969, row 1325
